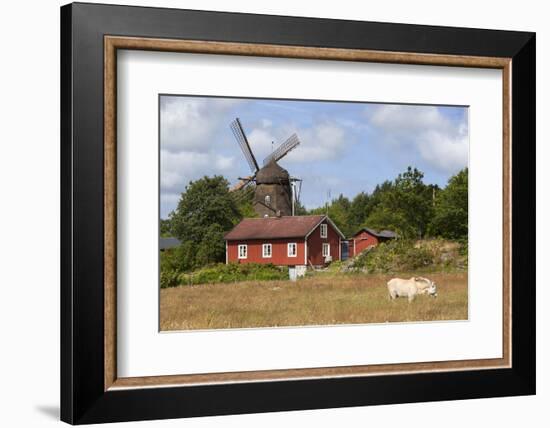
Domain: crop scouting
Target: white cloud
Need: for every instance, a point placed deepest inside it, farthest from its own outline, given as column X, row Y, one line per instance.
column 441, row 142
column 266, row 123
column 323, row 140
column 260, row 139
column 180, row 168
column 445, row 152
column 189, row 123
column 408, row 118
column 193, row 134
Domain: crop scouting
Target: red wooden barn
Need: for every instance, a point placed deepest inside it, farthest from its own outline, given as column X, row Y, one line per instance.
column 311, row 240
column 366, row 238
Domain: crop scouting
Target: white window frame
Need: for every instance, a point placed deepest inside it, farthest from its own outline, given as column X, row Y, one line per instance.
column 327, row 246
column 264, row 255
column 292, row 245
column 324, row 230
column 240, row 253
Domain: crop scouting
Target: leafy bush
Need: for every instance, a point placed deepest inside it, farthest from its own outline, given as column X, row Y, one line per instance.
column 407, row 256
column 169, row 278
column 401, row 255
column 392, row 256
column 233, row 272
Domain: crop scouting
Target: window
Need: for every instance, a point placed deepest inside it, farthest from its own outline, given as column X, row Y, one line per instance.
column 267, row 200
column 292, row 250
column 243, row 251
column 266, row 250
column 326, row 250
column 324, row 231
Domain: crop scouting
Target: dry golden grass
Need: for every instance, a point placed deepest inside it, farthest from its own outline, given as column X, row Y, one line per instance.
column 317, row 300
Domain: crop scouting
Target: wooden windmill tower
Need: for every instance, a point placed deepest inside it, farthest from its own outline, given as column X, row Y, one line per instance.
column 276, row 191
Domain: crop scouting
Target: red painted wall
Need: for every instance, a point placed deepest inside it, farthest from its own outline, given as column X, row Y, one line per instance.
column 279, row 249
column 315, row 245
column 350, row 248
column 279, row 252
column 361, row 242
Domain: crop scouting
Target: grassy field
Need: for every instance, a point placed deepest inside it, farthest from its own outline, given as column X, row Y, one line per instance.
column 316, row 300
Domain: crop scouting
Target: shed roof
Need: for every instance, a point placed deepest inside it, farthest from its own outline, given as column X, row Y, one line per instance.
column 277, row 227
column 381, row 234
column 387, row 234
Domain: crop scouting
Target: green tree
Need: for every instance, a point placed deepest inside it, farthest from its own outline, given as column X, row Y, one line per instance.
column 359, row 211
column 243, row 199
column 165, row 228
column 338, row 211
column 384, row 218
column 413, row 199
column 404, row 206
column 212, row 247
column 299, row 209
column 205, row 212
column 376, row 197
column 204, row 202
column 450, row 218
column 179, row 259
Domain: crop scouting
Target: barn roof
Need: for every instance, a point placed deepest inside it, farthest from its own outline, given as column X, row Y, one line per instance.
column 381, row 234
column 277, row 227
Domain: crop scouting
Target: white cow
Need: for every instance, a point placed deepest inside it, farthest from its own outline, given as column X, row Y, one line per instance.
column 410, row 288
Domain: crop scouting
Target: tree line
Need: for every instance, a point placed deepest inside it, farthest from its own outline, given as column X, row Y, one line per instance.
column 406, row 205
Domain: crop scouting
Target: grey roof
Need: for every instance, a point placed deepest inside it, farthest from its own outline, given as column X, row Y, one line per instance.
column 383, row 234
column 166, row 243
column 387, row 234
column 369, row 230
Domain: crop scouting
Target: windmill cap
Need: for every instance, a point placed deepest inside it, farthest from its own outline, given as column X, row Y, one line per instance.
column 272, row 173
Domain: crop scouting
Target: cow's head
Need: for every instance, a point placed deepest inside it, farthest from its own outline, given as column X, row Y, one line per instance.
column 432, row 290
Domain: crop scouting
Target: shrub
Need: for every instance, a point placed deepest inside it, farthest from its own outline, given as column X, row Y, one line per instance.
column 232, row 272
column 392, row 256
column 408, row 255
column 169, row 278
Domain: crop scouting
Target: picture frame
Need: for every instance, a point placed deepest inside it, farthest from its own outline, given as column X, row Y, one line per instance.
column 91, row 391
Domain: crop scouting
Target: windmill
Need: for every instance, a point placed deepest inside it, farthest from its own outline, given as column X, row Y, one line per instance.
column 276, row 192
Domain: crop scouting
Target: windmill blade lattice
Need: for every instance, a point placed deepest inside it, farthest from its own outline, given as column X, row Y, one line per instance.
column 281, row 151
column 240, row 136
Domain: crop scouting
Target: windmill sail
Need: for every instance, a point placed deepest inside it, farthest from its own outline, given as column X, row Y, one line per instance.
column 240, row 136
column 270, row 189
column 283, row 149
column 243, row 182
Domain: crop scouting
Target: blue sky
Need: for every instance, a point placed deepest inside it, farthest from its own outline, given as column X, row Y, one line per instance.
column 345, row 147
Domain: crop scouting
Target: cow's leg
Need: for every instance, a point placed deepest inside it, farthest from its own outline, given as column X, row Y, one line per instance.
column 411, row 297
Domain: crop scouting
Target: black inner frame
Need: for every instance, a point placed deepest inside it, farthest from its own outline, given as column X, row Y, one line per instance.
column 83, row 399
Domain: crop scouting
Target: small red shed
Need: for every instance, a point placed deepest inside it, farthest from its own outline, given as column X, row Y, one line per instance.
column 366, row 238
column 311, row 240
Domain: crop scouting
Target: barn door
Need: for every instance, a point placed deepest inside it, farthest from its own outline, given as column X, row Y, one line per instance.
column 344, row 250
